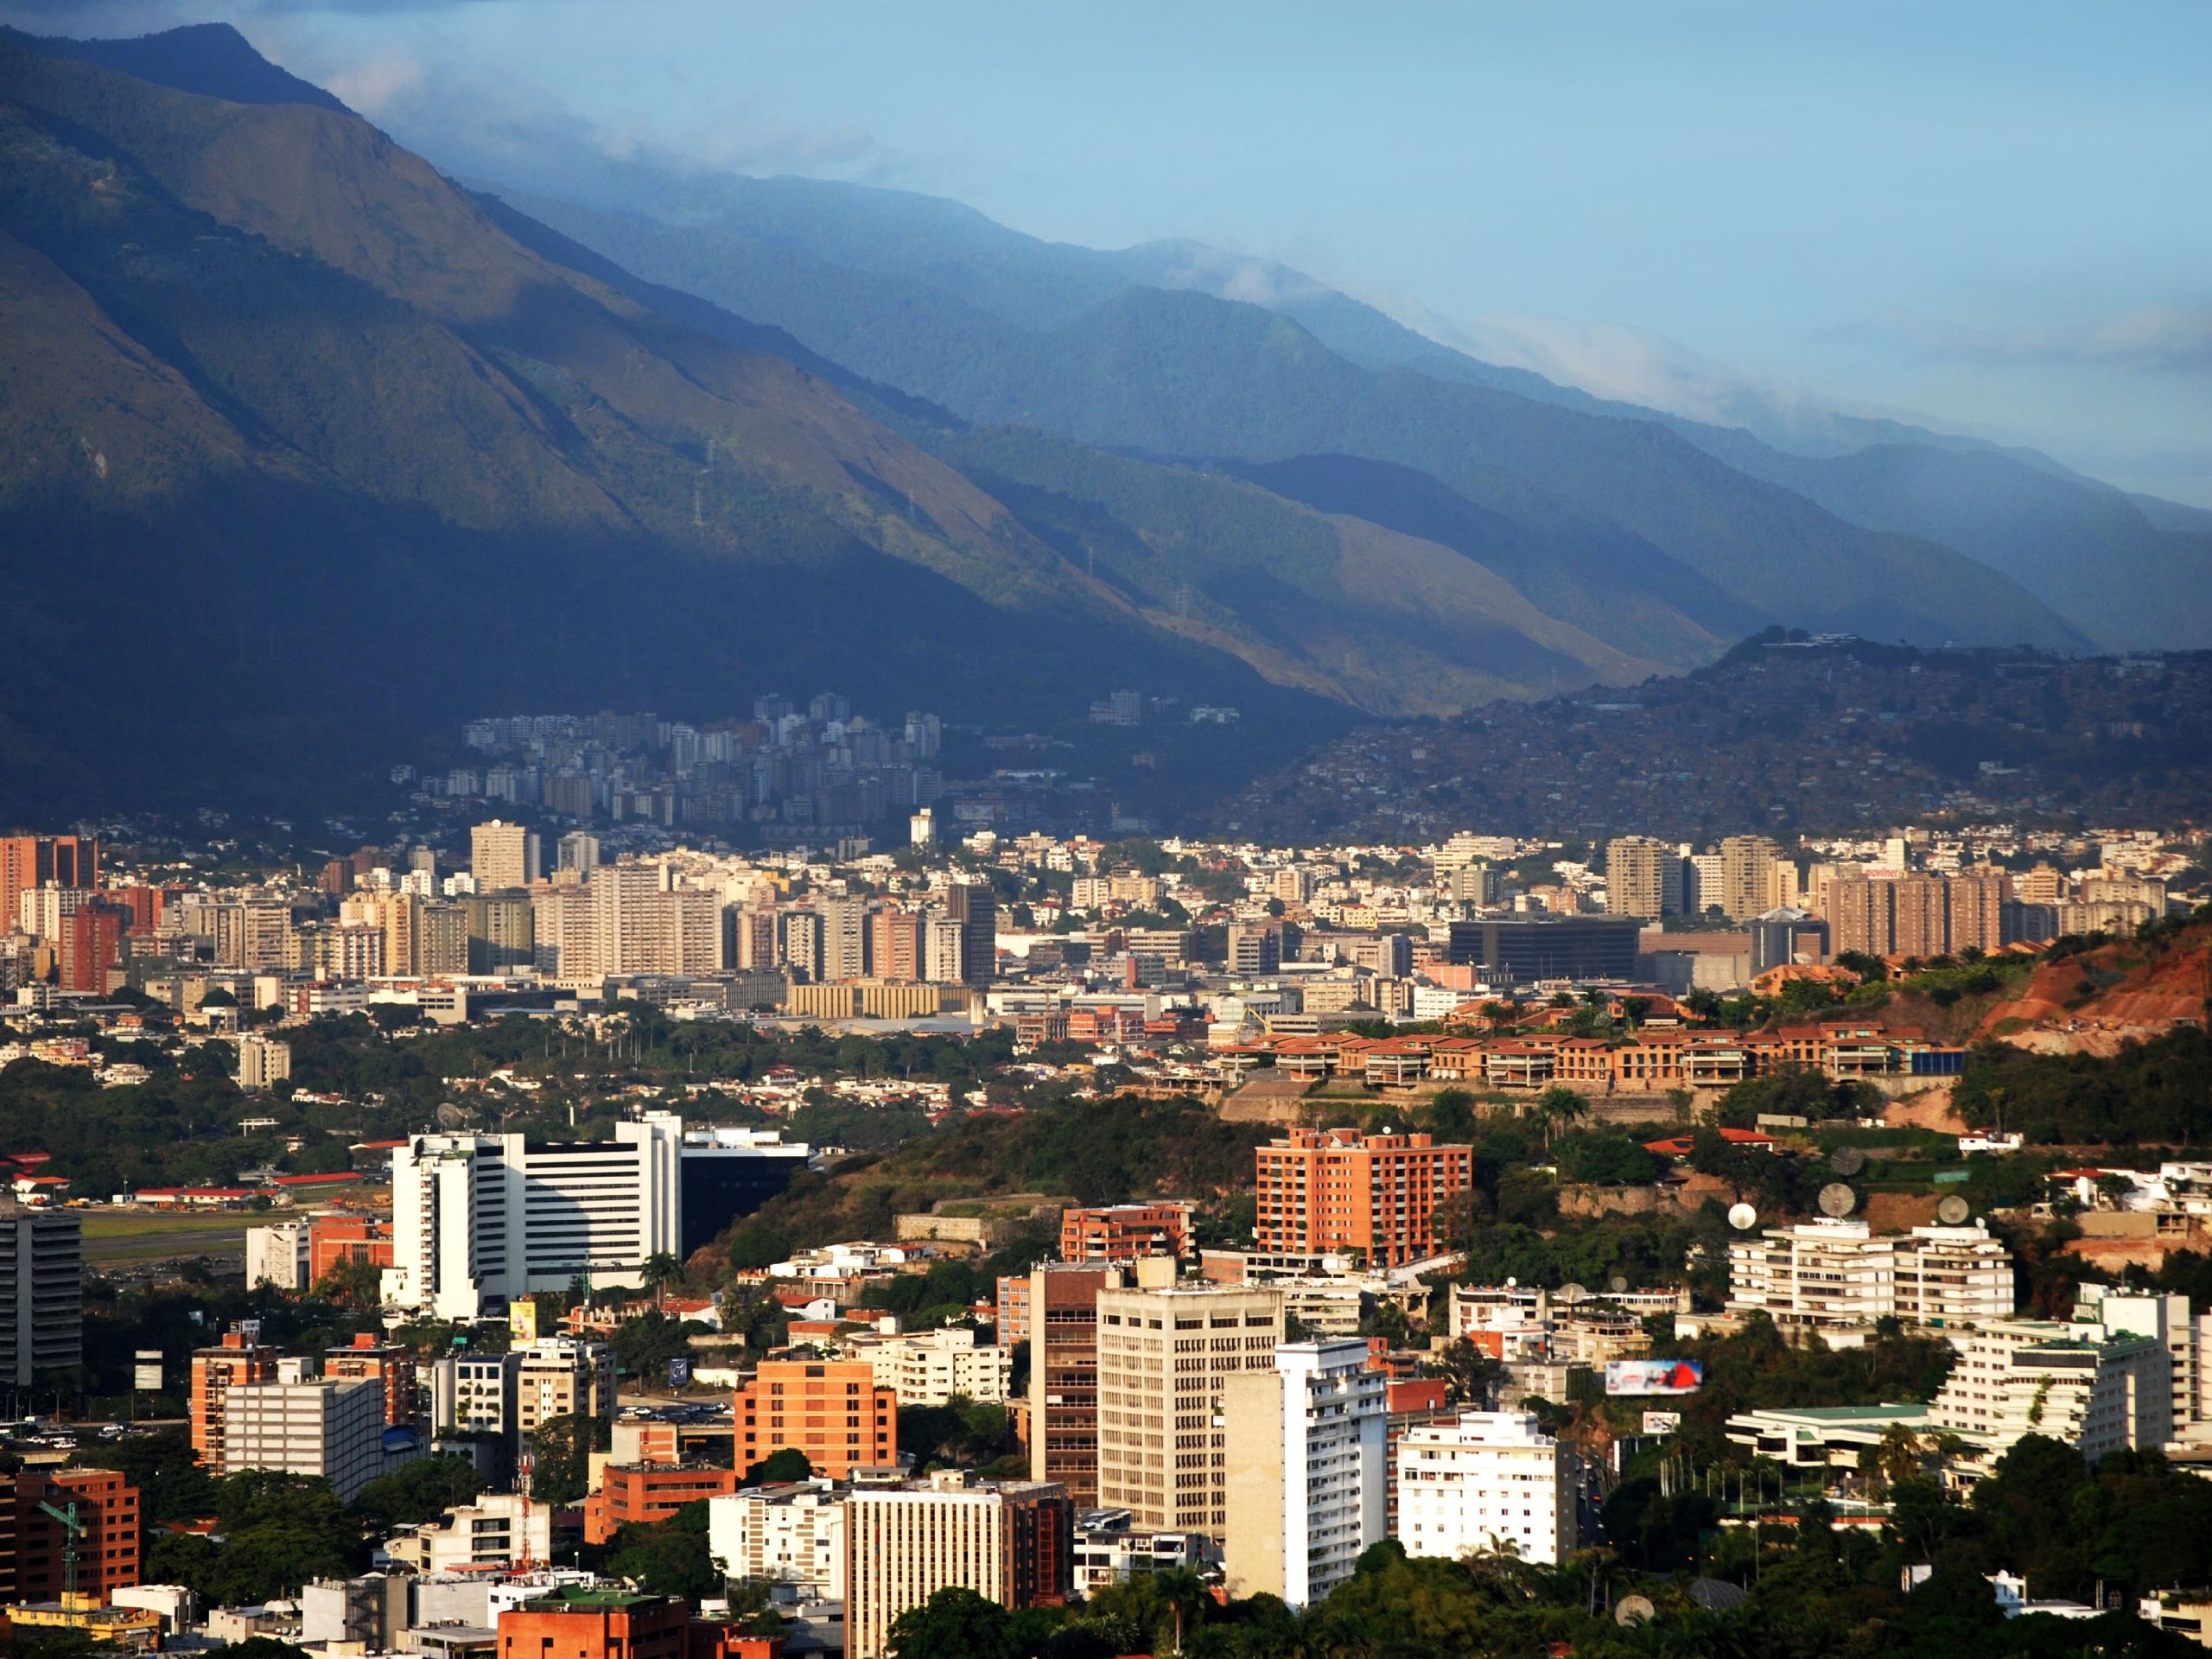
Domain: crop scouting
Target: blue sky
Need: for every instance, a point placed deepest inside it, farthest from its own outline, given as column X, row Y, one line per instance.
column 1992, row 218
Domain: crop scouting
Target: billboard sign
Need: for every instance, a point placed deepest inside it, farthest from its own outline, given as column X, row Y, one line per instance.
column 1661, row 1422
column 679, row 1372
column 1654, row 1377
column 146, row 1374
column 521, row 1320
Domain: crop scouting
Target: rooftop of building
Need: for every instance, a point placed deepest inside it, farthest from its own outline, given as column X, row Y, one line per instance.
column 1903, row 1411
column 576, row 1599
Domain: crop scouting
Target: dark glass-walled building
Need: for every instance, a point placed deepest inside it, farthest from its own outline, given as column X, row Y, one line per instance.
column 1519, row 953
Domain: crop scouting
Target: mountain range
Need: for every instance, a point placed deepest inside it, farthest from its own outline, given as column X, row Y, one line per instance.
column 301, row 436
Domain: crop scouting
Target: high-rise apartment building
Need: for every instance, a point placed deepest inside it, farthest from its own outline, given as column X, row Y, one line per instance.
column 89, row 947
column 750, row 945
column 793, row 1535
column 941, row 950
column 31, row 862
column 1492, row 1479
column 1380, row 1195
column 390, row 1366
column 348, row 950
column 41, row 1292
column 1062, row 1310
column 834, row 1411
column 1010, row 1541
column 641, row 925
column 1306, row 1482
column 1830, row 1275
column 239, row 1360
column 895, row 944
column 976, row 908
column 482, row 1220
column 1643, row 878
column 1748, row 876
column 325, row 1426
column 932, row 1367
column 1164, row 1357
column 802, row 943
column 263, row 1063
column 844, row 937
column 1919, row 922
column 503, row 856
column 1122, row 1232
column 563, row 1376
column 502, row 932
column 2095, row 1389
column 1859, row 915
column 578, row 850
column 475, row 1393
column 1974, row 904
column 37, row 1568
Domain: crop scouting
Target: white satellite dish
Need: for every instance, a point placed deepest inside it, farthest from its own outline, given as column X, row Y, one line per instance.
column 1742, row 1216
column 1571, row 1292
column 1953, row 1211
column 1631, row 1611
column 1617, row 1284
column 1512, row 1283
column 1837, row 1200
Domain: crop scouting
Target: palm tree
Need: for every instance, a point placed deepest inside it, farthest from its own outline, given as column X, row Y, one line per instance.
column 1185, row 1595
column 660, row 1271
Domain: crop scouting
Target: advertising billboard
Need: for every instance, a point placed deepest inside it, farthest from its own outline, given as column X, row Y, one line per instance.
column 679, row 1372
column 1653, row 1377
column 1661, row 1422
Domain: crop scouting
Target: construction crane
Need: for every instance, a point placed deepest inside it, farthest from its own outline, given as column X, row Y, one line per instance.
column 71, row 1530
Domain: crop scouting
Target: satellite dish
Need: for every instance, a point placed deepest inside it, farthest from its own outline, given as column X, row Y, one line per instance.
column 1617, row 1284
column 452, row 1118
column 1846, row 1160
column 1837, row 1200
column 1512, row 1284
column 1742, row 1216
column 1572, row 1292
column 1953, row 1211
column 1631, row 1611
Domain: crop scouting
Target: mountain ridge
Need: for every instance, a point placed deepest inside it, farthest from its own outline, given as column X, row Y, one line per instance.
column 799, row 271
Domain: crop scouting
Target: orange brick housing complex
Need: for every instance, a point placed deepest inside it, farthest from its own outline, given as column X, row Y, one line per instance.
column 1122, row 1232
column 1337, row 1190
column 831, row 1410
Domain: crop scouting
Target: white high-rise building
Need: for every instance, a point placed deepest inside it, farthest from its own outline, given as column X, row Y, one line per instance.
column 278, row 1254
column 790, row 1534
column 2095, row 1389
column 942, row 960
column 1838, row 1277
column 480, row 1220
column 844, row 937
column 1164, row 1357
column 1306, row 1479
column 928, row 1367
column 1491, row 1481
column 503, row 856
column 332, row 1427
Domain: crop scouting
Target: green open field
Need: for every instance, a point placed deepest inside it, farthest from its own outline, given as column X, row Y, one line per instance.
column 135, row 1235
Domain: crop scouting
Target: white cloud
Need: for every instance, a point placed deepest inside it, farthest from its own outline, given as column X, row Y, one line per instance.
column 2162, row 339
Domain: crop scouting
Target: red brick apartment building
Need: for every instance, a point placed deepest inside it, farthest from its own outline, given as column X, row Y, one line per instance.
column 1122, row 1232
column 1335, row 1189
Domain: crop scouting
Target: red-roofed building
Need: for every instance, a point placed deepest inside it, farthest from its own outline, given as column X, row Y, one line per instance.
column 1680, row 1146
